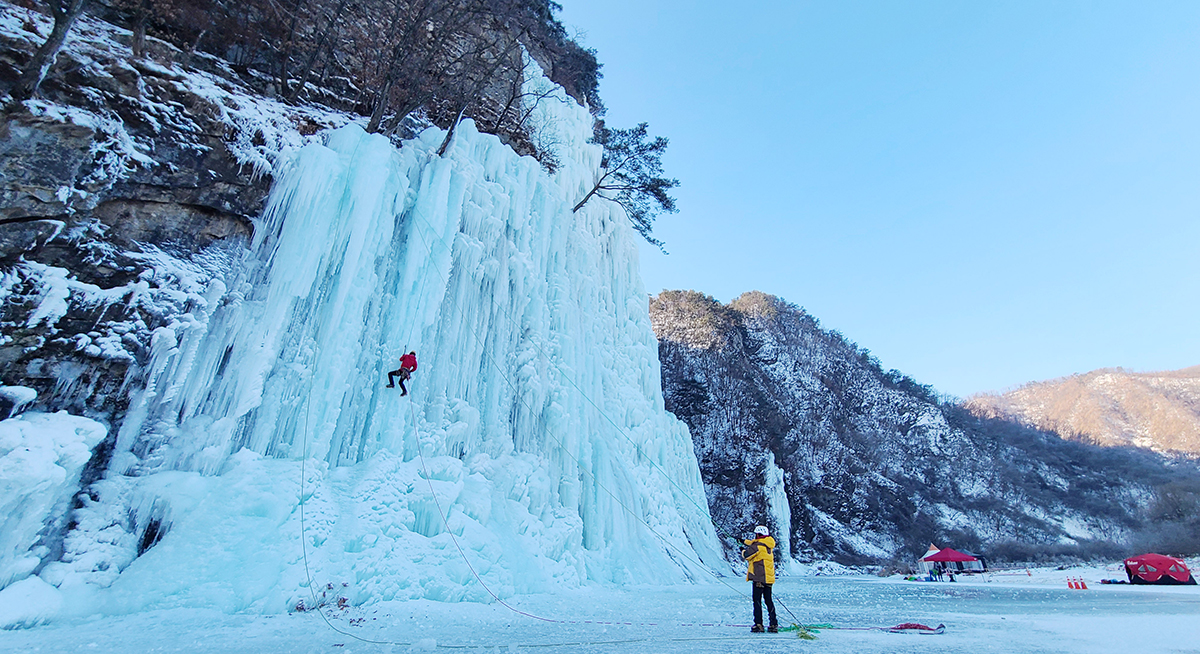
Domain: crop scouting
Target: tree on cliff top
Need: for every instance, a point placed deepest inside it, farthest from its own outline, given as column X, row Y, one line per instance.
column 64, row 13
column 632, row 176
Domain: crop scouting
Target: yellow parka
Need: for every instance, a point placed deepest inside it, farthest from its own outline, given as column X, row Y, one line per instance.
column 760, row 561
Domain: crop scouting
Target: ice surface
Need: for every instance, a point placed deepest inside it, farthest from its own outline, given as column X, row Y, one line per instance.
column 535, row 429
column 17, row 397
column 981, row 617
column 28, row 602
column 781, row 512
column 41, row 457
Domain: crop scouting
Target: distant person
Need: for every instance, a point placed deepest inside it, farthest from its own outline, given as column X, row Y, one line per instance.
column 408, row 365
column 761, row 570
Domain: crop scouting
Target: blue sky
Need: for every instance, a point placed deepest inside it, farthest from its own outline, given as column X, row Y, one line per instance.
column 981, row 193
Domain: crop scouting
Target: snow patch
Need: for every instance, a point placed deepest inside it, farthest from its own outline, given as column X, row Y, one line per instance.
column 18, row 397
column 41, row 458
column 28, row 603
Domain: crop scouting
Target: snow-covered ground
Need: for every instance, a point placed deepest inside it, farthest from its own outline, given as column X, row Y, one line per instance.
column 1029, row 615
column 1057, row 577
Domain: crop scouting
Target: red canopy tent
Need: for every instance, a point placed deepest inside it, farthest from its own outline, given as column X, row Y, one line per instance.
column 947, row 555
column 1157, row 569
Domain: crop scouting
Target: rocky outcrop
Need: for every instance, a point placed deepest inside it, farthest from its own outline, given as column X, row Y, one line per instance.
column 796, row 427
column 1113, row 407
column 112, row 140
column 124, row 188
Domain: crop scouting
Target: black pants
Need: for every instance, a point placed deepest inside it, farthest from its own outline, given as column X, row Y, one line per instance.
column 403, row 374
column 763, row 592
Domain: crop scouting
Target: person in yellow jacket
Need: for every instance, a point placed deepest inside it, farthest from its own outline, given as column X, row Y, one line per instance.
column 761, row 570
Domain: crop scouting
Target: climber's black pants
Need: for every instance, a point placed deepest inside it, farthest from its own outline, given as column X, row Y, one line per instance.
column 763, row 592
column 403, row 374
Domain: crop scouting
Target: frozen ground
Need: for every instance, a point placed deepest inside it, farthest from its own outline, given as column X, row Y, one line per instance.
column 1004, row 614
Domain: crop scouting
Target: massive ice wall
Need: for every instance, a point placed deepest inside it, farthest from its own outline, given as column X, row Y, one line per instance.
column 535, row 428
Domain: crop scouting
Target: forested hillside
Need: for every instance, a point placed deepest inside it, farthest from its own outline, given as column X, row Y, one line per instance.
column 389, row 60
column 797, row 426
column 1156, row 410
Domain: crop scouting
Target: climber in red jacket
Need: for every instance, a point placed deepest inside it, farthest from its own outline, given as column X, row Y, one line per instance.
column 408, row 364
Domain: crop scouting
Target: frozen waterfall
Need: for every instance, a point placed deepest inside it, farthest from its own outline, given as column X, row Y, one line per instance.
column 537, row 407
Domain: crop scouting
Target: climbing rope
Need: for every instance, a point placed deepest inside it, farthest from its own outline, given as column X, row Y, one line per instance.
column 620, row 430
column 604, row 414
column 686, row 554
column 316, row 605
column 565, row 450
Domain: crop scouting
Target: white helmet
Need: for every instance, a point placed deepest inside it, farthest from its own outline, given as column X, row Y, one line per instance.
column 761, row 530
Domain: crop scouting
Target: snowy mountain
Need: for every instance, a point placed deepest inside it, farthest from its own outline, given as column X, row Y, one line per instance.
column 197, row 382
column 799, row 428
column 1156, row 410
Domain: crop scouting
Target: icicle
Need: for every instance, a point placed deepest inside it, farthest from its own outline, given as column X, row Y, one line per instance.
column 536, row 402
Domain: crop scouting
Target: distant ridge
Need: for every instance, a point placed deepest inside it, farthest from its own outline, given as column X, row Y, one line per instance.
column 797, row 428
column 1110, row 406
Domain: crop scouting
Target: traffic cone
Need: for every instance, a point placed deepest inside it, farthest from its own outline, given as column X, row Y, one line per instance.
column 1071, row 583
column 1082, row 584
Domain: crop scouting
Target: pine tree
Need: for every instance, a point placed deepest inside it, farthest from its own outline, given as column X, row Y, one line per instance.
column 632, row 176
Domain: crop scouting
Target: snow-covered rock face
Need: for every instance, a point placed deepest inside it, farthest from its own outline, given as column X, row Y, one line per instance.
column 798, row 428
column 533, row 449
column 124, row 189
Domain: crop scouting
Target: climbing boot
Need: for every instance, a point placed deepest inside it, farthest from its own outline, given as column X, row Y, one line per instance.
column 773, row 629
column 756, row 629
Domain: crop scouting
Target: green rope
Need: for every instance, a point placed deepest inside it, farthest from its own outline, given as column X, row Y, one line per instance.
column 805, row 632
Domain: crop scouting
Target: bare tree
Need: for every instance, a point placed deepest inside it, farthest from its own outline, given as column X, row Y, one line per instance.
column 290, row 14
column 307, row 26
column 323, row 46
column 465, row 87
column 64, row 13
column 449, row 50
column 427, row 30
column 522, row 102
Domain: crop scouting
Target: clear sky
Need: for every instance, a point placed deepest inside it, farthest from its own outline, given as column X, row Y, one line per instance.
column 981, row 193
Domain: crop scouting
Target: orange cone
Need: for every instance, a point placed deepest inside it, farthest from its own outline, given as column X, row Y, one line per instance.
column 1082, row 584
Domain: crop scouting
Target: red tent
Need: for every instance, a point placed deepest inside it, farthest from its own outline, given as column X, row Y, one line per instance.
column 948, row 555
column 1157, row 569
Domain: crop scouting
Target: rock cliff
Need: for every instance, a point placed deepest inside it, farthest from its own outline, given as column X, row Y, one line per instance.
column 795, row 426
column 125, row 184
